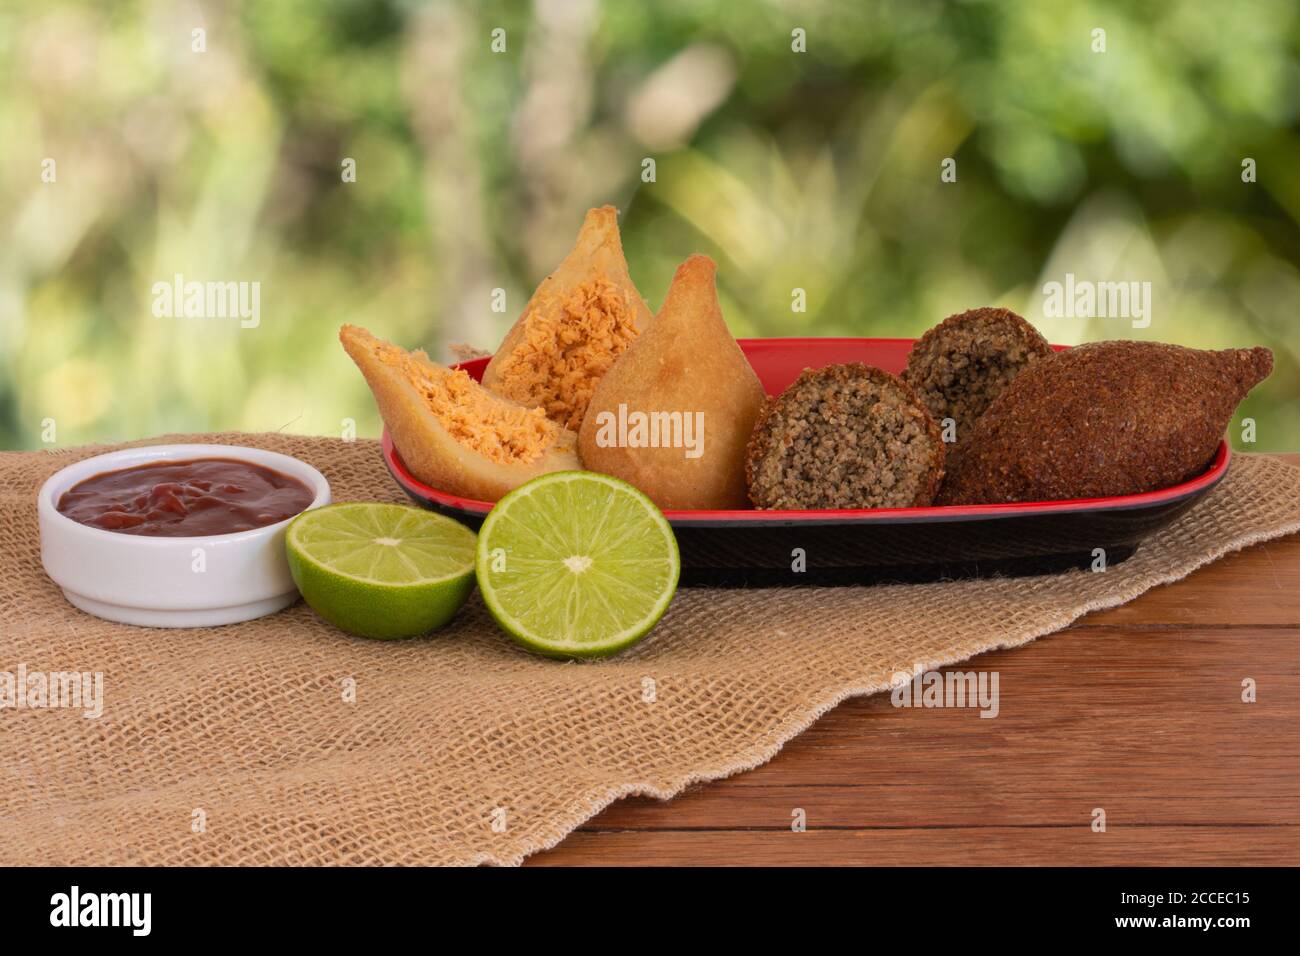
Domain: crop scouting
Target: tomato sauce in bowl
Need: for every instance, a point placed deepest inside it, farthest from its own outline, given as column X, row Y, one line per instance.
column 181, row 499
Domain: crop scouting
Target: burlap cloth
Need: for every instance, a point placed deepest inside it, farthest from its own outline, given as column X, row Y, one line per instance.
column 455, row 737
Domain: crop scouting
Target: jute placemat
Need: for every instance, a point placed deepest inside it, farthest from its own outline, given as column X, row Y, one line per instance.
column 238, row 745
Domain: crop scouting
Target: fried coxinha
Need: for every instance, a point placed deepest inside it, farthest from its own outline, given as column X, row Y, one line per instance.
column 582, row 317
column 686, row 364
column 452, row 433
column 584, row 326
column 459, row 436
column 481, row 441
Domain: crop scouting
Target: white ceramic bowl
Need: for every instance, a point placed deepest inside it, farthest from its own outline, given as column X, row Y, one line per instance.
column 153, row 581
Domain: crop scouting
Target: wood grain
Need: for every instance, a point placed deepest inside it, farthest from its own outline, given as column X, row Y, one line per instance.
column 1024, row 845
column 1137, row 710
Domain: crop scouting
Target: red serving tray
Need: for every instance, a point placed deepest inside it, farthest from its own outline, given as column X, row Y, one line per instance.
column 778, row 363
column 1049, row 531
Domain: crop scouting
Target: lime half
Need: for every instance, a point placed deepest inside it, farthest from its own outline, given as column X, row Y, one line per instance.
column 381, row 570
column 577, row 564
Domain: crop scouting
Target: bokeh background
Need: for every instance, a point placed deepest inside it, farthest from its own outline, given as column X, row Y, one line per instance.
column 817, row 170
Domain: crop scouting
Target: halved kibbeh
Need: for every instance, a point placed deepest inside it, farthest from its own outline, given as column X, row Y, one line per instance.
column 673, row 415
column 845, row 436
column 582, row 317
column 1108, row 418
column 962, row 364
column 453, row 434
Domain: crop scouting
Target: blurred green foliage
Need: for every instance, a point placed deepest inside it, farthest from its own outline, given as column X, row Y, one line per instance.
column 817, row 170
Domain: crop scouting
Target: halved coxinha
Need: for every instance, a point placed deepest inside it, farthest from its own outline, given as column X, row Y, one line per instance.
column 451, row 432
column 582, row 317
column 586, row 346
column 481, row 441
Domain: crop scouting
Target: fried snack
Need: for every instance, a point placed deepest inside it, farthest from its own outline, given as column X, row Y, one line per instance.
column 674, row 413
column 845, row 436
column 581, row 318
column 1109, row 418
column 453, row 434
column 962, row 364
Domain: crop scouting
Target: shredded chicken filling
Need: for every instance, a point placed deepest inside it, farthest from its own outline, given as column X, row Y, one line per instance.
column 565, row 352
column 501, row 432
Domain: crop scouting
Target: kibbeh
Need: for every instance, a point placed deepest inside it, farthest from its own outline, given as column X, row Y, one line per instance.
column 1108, row 418
column 581, row 318
column 690, row 397
column 452, row 433
column 845, row 436
column 962, row 364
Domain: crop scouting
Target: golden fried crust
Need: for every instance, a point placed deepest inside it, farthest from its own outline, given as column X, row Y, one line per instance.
column 430, row 450
column 579, row 321
column 686, row 362
column 1104, row 419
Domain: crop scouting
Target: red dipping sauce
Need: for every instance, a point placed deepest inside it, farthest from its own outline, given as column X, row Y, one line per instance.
column 182, row 499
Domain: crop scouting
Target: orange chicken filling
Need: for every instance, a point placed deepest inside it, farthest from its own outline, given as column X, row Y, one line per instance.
column 474, row 417
column 565, row 353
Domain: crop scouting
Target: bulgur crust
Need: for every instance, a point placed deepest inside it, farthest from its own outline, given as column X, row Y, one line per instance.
column 1108, row 418
column 844, row 436
column 962, row 364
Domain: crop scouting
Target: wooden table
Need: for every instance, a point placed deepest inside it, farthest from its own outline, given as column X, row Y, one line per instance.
column 1137, row 710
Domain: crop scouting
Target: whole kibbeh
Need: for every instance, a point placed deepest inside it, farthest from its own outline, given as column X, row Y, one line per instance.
column 962, row 364
column 845, row 436
column 1103, row 419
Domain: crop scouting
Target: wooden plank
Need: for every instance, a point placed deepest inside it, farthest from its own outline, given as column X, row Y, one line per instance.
column 1150, row 742
column 1259, row 586
column 1032, row 846
column 1254, row 587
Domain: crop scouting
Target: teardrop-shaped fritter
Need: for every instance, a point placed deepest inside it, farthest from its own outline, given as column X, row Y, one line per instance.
column 674, row 414
column 1103, row 419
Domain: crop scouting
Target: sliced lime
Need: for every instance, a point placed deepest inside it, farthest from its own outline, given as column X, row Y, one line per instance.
column 577, row 564
column 381, row 570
